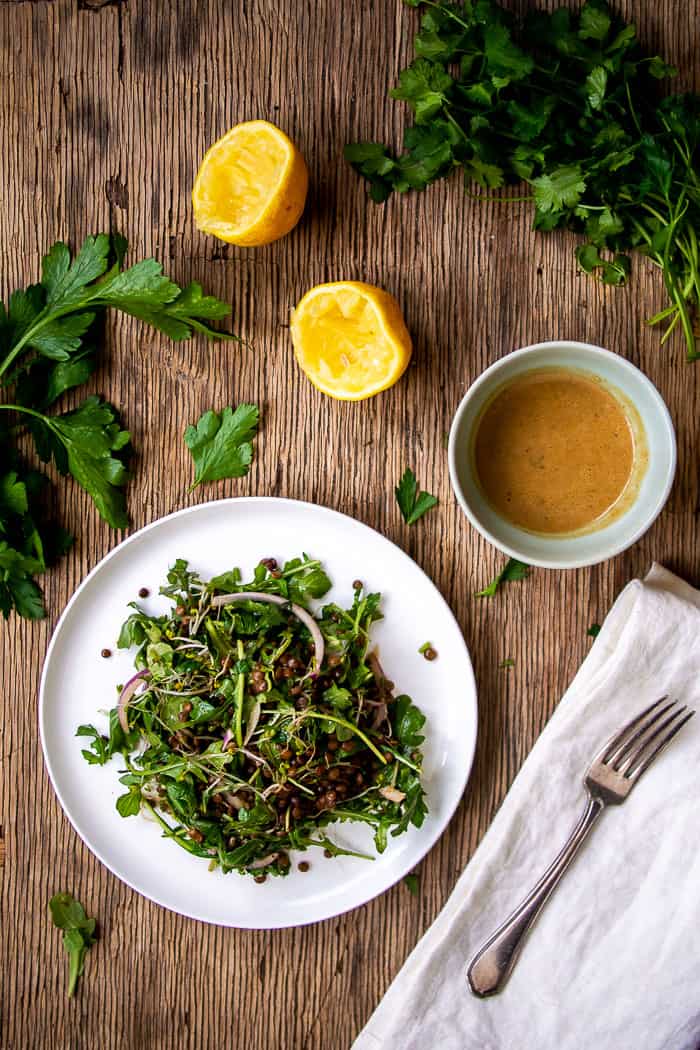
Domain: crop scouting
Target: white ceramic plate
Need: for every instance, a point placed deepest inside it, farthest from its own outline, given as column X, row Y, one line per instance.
column 78, row 686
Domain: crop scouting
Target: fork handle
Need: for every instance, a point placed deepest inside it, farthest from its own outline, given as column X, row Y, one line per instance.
column 491, row 966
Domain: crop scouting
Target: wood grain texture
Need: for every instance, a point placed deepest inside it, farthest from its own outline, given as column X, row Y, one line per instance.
column 106, row 109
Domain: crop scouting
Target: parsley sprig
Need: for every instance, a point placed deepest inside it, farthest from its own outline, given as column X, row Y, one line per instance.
column 513, row 570
column 48, row 335
column 569, row 104
column 413, row 503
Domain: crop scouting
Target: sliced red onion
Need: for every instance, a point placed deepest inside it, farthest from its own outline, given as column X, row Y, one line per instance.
column 228, row 739
column 262, row 862
column 276, row 599
column 126, row 695
column 253, row 719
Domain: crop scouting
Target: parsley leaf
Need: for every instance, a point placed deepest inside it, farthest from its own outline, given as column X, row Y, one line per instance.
column 221, row 444
column 413, row 503
column 78, row 933
column 513, row 570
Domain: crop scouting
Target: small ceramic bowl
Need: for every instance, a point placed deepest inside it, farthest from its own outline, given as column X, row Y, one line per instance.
column 569, row 551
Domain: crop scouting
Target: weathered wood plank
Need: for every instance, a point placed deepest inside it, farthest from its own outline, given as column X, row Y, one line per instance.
column 106, row 108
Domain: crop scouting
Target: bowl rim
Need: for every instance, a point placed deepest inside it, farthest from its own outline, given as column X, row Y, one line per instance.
column 625, row 366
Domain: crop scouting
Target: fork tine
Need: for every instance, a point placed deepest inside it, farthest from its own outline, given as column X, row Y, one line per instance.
column 635, row 767
column 623, row 750
column 620, row 736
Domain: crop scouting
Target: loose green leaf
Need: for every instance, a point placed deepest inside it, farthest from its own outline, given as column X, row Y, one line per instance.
column 222, row 444
column 594, row 630
column 513, row 570
column 411, row 883
column 78, row 933
column 413, row 503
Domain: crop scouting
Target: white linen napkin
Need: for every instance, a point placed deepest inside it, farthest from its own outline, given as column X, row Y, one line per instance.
column 614, row 959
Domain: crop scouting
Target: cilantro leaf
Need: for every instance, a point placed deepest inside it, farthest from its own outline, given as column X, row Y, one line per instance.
column 513, row 570
column 595, row 86
column 504, row 59
column 413, row 503
column 221, row 444
column 78, row 936
column 559, row 189
column 425, row 86
column 595, row 20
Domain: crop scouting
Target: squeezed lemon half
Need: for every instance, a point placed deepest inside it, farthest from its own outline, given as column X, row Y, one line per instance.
column 350, row 339
column 251, row 186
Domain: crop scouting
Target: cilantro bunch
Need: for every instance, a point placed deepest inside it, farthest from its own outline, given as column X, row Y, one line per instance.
column 569, row 104
column 48, row 345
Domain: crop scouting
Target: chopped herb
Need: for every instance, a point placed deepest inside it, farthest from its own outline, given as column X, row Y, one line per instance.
column 424, row 648
column 78, row 933
column 222, row 444
column 413, row 503
column 513, row 570
column 411, row 883
column 48, row 335
column 570, row 104
column 594, row 630
column 505, row 665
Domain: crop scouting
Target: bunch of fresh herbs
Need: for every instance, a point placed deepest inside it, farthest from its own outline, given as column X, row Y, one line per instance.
column 48, row 345
column 239, row 746
column 569, row 104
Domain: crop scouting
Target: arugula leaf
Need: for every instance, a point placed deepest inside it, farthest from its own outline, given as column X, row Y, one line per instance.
column 97, row 752
column 221, row 444
column 78, row 933
column 306, row 578
column 408, row 721
column 129, row 804
column 513, row 570
column 413, row 503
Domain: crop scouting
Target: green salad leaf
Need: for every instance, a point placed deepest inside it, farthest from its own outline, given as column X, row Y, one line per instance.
column 78, row 933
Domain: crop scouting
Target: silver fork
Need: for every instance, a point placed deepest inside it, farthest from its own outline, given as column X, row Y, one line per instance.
column 612, row 774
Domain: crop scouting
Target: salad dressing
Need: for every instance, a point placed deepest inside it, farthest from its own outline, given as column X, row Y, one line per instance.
column 555, row 451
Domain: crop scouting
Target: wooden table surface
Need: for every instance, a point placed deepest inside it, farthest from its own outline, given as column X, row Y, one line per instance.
column 106, row 108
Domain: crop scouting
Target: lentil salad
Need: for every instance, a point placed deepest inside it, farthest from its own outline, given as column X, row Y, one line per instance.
column 251, row 724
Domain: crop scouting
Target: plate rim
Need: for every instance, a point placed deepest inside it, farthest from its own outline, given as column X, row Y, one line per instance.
column 440, row 827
